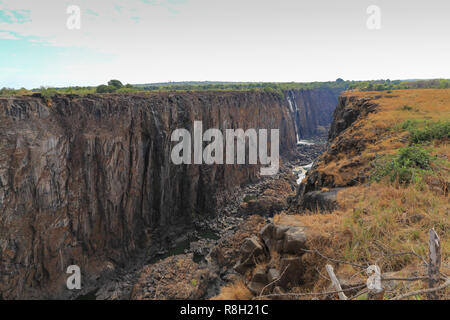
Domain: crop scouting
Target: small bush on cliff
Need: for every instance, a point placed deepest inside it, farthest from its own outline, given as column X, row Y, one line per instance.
column 48, row 93
column 408, row 166
column 432, row 131
column 8, row 92
column 425, row 131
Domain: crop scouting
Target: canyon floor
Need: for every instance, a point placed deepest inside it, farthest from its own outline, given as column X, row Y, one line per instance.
column 201, row 261
column 370, row 199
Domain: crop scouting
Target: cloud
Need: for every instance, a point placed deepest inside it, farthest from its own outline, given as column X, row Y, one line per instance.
column 7, row 35
column 103, row 22
column 14, row 16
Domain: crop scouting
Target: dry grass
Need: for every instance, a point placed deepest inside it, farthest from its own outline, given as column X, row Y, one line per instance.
column 376, row 219
column 236, row 290
column 376, row 134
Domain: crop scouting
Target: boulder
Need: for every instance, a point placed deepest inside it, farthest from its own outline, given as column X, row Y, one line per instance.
column 294, row 241
column 266, row 234
column 273, row 275
column 321, row 200
column 255, row 287
column 279, row 231
column 260, row 275
column 259, row 281
column 242, row 268
column 251, row 247
column 278, row 290
column 293, row 274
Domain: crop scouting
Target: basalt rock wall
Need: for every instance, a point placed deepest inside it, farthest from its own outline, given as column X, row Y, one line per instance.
column 88, row 180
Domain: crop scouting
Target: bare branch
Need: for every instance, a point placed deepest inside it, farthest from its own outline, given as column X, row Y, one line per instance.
column 334, row 260
column 424, row 291
column 309, row 294
column 274, row 281
column 335, row 282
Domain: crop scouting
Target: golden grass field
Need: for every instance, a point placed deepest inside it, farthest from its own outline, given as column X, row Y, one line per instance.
column 377, row 220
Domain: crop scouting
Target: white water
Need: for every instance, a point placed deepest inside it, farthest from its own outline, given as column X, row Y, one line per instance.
column 305, row 142
column 301, row 171
column 294, row 109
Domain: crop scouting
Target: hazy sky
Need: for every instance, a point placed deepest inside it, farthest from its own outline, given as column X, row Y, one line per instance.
column 141, row 41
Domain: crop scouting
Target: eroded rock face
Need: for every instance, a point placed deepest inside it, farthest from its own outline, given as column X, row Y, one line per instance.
column 89, row 181
column 313, row 110
column 319, row 190
column 274, row 258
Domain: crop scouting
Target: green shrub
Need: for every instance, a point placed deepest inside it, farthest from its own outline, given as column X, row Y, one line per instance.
column 414, row 157
column 408, row 166
column 408, row 125
column 425, row 131
column 48, row 93
column 115, row 83
column 406, row 108
column 431, row 131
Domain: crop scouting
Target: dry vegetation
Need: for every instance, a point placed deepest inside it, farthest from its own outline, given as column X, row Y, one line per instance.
column 236, row 290
column 377, row 220
column 381, row 134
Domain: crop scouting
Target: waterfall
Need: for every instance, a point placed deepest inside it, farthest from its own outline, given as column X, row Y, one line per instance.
column 294, row 110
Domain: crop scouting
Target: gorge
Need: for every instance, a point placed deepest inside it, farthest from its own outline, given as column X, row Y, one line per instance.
column 88, row 181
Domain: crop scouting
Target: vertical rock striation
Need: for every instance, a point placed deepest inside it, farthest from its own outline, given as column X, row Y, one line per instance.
column 312, row 110
column 89, row 180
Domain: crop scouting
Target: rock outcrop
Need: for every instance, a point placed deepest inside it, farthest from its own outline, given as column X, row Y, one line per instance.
column 274, row 259
column 173, row 278
column 327, row 177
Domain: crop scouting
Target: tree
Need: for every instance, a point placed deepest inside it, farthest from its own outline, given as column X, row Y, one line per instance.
column 115, row 83
column 105, row 89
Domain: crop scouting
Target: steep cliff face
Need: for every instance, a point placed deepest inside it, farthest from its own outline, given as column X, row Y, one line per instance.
column 312, row 110
column 336, row 168
column 89, row 180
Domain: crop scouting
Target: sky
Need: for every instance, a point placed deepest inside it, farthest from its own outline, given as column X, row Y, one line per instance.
column 145, row 41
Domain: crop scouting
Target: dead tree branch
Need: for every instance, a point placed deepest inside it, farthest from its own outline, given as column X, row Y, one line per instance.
column 424, row 291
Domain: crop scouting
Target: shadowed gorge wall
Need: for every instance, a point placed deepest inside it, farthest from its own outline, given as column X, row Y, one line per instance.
column 88, row 180
column 312, row 110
